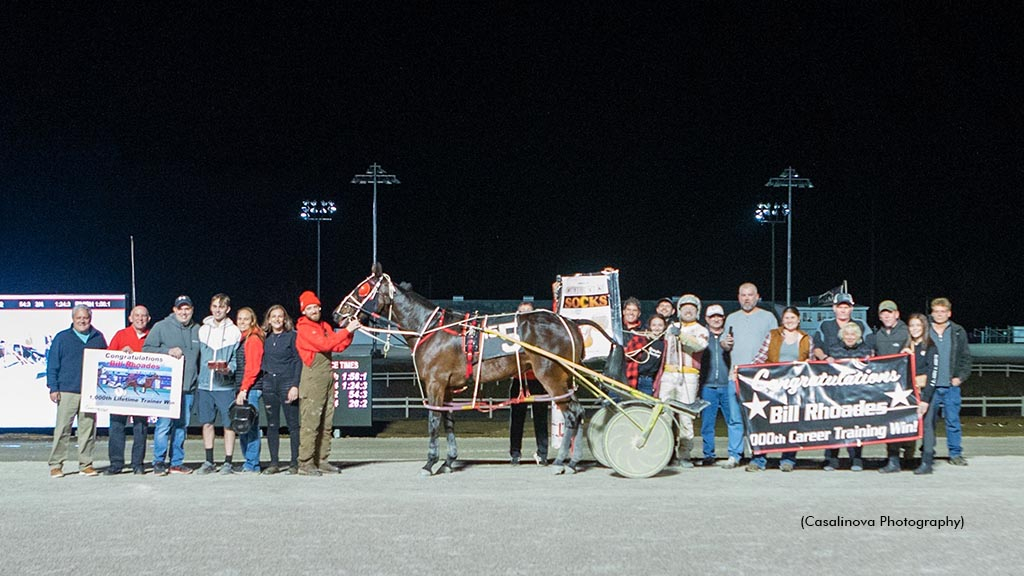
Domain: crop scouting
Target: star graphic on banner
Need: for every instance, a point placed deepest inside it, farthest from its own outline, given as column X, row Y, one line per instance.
column 756, row 407
column 899, row 396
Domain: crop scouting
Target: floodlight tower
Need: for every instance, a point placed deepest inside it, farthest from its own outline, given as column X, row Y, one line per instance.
column 789, row 179
column 772, row 214
column 317, row 211
column 374, row 174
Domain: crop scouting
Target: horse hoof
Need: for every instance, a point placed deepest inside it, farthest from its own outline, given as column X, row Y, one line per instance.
column 425, row 473
column 446, row 469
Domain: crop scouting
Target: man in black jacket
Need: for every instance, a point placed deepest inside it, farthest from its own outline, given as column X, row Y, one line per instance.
column 954, row 367
column 891, row 338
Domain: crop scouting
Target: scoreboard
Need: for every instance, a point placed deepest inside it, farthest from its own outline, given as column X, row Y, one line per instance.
column 353, row 390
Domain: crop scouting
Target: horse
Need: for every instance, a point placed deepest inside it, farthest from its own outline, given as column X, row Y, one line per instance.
column 441, row 361
column 136, row 381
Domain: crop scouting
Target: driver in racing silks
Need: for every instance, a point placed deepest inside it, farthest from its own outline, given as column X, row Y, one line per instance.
column 685, row 342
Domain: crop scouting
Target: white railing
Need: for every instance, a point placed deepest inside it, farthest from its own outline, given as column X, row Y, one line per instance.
column 1006, row 369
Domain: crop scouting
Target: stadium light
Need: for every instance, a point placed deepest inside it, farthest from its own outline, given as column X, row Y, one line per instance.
column 317, row 211
column 374, row 175
column 789, row 179
column 772, row 214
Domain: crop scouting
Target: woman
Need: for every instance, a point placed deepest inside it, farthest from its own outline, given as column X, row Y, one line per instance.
column 281, row 371
column 925, row 356
column 787, row 343
column 851, row 345
column 650, row 359
column 249, row 358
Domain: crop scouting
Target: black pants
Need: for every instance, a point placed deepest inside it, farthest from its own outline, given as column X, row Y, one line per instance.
column 115, row 447
column 275, row 396
column 518, row 420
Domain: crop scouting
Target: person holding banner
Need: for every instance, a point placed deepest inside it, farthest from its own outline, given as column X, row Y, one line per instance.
column 891, row 338
column 249, row 361
column 281, row 369
column 177, row 336
column 851, row 345
column 649, row 363
column 129, row 339
column 827, row 336
column 787, row 343
column 64, row 379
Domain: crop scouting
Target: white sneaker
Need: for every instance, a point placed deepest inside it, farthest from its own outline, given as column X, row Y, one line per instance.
column 730, row 463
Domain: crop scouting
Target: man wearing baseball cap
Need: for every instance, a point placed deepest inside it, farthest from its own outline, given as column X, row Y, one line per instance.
column 714, row 382
column 890, row 339
column 827, row 335
column 315, row 340
column 178, row 336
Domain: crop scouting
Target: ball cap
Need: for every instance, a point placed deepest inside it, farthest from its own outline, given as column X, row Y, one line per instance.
column 183, row 301
column 888, row 305
column 307, row 298
column 714, row 310
column 842, row 298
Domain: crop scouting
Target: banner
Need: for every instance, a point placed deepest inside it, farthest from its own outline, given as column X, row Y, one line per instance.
column 815, row 405
column 138, row 384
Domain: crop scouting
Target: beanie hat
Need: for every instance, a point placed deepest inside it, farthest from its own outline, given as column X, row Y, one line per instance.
column 307, row 298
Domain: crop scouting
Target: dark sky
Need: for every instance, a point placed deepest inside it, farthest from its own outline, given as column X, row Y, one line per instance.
column 530, row 140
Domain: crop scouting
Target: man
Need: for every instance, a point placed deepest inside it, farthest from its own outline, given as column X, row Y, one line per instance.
column 891, row 338
column 315, row 341
column 129, row 339
column 828, row 337
column 667, row 309
column 528, row 385
column 954, row 367
column 746, row 329
column 633, row 340
column 714, row 381
column 218, row 340
column 685, row 343
column 177, row 336
column 64, row 379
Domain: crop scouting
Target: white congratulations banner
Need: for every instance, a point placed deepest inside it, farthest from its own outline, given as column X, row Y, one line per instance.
column 137, row 384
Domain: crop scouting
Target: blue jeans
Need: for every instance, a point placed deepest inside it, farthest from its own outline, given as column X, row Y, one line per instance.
column 175, row 431
column 250, row 441
column 716, row 396
column 949, row 399
column 734, row 420
column 645, row 384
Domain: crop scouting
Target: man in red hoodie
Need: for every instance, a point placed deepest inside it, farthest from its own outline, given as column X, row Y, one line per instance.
column 315, row 341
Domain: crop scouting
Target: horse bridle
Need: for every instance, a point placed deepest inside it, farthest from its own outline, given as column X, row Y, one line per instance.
column 365, row 292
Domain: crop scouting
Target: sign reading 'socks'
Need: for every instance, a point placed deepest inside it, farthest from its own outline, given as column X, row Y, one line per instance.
column 814, row 405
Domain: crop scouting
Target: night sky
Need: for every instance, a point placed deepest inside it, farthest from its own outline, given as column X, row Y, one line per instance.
column 530, row 140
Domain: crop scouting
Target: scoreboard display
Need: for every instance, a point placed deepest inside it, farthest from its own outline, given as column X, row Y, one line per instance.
column 353, row 390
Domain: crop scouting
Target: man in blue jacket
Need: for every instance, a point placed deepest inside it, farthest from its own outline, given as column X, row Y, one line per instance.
column 64, row 378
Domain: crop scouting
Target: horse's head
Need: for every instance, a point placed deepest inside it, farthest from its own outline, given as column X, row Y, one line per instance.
column 372, row 296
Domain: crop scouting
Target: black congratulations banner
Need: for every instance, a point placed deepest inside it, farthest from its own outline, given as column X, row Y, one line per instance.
column 808, row 405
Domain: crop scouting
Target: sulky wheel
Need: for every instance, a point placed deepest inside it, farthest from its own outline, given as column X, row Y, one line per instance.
column 621, row 439
column 596, row 427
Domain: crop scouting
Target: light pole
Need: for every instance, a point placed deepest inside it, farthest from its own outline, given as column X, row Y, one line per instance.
column 317, row 211
column 374, row 174
column 789, row 179
column 772, row 213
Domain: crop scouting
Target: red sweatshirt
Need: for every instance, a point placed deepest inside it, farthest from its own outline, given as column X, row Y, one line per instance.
column 127, row 337
column 253, row 360
column 312, row 338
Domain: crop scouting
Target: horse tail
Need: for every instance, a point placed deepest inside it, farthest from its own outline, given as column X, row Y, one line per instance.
column 615, row 365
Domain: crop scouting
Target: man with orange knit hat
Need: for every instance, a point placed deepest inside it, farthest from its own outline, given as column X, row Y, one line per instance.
column 315, row 340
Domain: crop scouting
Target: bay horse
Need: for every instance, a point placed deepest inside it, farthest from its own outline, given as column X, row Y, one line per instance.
column 436, row 343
